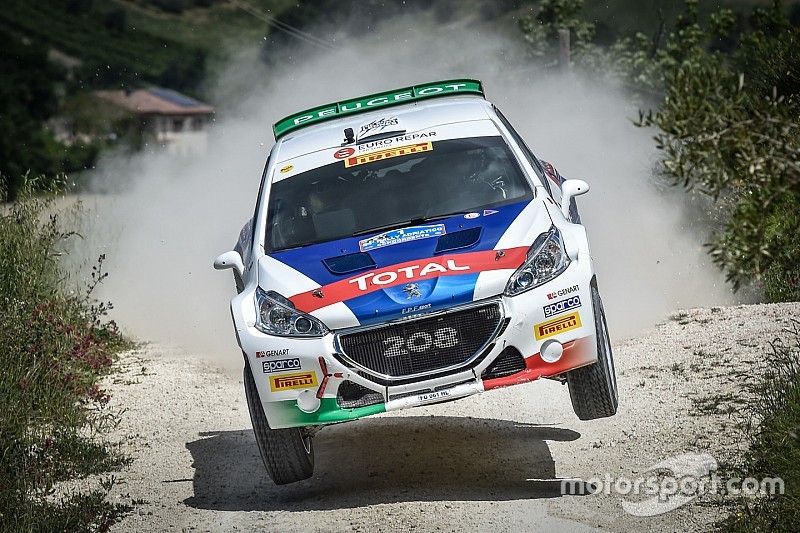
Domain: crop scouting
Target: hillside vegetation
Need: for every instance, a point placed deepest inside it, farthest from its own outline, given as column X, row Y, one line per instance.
column 55, row 345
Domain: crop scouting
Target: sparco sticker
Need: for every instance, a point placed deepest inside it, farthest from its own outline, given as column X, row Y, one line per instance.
column 561, row 306
column 281, row 365
column 399, row 236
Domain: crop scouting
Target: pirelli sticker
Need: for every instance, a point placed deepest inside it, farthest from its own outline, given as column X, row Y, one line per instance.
column 387, row 153
column 559, row 325
column 298, row 380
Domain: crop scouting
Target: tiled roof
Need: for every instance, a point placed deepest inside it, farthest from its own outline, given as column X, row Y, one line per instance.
column 155, row 101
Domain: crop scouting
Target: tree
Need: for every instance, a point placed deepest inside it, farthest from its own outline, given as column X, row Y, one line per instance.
column 27, row 99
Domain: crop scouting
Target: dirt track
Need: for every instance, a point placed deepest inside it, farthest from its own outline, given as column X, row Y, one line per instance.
column 489, row 461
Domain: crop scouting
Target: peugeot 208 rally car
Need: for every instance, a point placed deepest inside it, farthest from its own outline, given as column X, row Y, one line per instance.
column 408, row 248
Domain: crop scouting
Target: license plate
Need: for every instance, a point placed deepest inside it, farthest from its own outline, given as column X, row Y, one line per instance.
column 433, row 395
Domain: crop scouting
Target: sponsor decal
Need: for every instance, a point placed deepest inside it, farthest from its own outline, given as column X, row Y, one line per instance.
column 298, row 380
column 374, row 101
column 557, row 325
column 415, row 309
column 272, row 353
column 487, row 212
column 390, row 276
column 551, row 172
column 287, row 168
column 391, row 141
column 559, row 307
column 409, row 272
column 470, row 216
column 281, row 365
column 377, row 126
column 401, row 235
column 343, row 153
column 388, row 153
column 561, row 292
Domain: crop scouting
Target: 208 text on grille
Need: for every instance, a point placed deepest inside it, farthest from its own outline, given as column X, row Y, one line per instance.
column 420, row 342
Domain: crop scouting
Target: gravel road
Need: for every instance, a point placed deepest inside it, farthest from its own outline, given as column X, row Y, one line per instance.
column 493, row 460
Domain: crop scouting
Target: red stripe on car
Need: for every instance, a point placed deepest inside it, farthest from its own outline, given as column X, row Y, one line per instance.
column 410, row 271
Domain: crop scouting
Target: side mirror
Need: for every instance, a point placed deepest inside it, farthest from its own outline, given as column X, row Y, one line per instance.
column 569, row 190
column 230, row 260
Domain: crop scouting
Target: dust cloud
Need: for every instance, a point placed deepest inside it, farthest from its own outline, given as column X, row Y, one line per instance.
column 163, row 219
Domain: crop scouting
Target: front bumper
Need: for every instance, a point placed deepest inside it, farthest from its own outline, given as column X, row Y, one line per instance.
column 299, row 380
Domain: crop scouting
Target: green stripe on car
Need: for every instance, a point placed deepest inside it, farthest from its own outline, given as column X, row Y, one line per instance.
column 375, row 101
column 286, row 413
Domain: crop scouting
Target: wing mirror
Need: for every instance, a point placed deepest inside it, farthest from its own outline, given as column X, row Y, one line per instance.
column 569, row 190
column 228, row 260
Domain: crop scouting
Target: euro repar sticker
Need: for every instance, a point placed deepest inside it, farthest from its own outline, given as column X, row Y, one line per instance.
column 388, row 153
column 561, row 306
column 298, row 380
column 557, row 325
column 399, row 236
column 370, row 146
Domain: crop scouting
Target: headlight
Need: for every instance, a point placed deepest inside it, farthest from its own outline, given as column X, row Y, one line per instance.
column 547, row 258
column 276, row 315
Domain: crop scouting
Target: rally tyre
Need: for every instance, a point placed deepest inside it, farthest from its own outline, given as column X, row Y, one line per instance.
column 288, row 454
column 593, row 388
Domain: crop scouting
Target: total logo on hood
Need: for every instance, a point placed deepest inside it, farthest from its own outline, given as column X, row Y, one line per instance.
column 406, row 274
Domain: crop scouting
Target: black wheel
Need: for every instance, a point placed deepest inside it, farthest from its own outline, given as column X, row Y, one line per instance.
column 288, row 454
column 593, row 388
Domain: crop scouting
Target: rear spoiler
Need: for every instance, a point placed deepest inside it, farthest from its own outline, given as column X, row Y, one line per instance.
column 375, row 101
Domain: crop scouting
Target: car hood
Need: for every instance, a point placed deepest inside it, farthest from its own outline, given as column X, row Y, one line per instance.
column 406, row 272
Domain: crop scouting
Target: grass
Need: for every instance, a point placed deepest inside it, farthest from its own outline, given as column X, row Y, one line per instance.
column 773, row 429
column 55, row 346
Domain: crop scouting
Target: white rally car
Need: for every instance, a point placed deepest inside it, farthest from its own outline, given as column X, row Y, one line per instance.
column 408, row 248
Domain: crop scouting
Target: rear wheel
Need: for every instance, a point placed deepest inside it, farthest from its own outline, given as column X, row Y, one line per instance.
column 593, row 388
column 288, row 454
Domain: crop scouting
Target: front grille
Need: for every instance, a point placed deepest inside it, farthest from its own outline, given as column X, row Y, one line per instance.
column 351, row 394
column 510, row 361
column 423, row 346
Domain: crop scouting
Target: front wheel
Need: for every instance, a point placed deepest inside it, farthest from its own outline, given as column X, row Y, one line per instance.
column 593, row 388
column 288, row 454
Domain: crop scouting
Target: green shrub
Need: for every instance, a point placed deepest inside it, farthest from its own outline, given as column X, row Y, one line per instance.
column 782, row 276
column 55, row 345
column 775, row 444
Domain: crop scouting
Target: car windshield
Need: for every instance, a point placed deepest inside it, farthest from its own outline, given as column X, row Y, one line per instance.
column 405, row 185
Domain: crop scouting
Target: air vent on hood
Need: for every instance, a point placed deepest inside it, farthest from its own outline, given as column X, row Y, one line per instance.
column 458, row 240
column 345, row 264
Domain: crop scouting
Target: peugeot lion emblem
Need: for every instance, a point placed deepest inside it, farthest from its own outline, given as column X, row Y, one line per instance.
column 412, row 291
